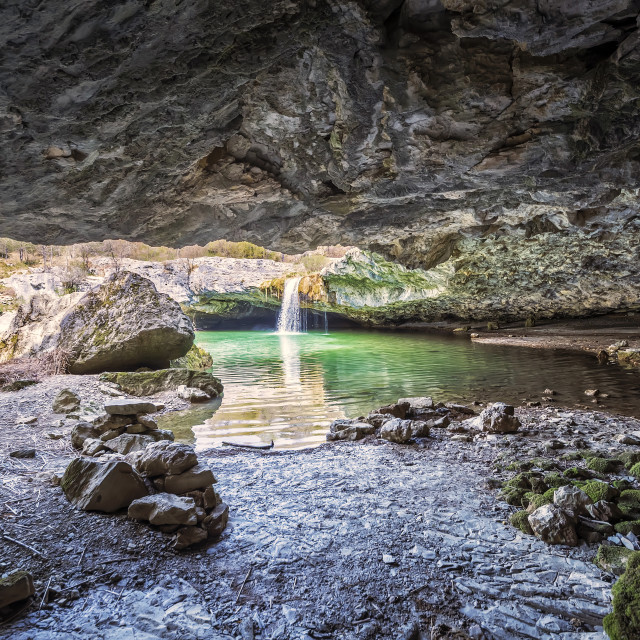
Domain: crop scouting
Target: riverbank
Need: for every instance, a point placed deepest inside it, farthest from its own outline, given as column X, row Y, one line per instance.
column 364, row 540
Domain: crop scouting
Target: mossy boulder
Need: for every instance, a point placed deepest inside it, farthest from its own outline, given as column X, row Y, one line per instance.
column 603, row 465
column 196, row 358
column 520, row 520
column 124, row 324
column 628, row 526
column 147, row 383
column 613, row 559
column 598, row 490
column 556, row 480
column 624, row 622
column 516, row 488
column 629, row 504
column 578, row 473
column 635, row 470
column 629, row 458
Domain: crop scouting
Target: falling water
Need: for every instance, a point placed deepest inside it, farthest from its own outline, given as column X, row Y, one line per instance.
column 326, row 324
column 289, row 320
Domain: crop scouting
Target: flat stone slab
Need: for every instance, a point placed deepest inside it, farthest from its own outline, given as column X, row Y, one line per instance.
column 129, row 407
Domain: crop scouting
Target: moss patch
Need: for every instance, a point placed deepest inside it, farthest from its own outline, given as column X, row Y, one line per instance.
column 635, row 470
column 598, row 490
column 629, row 504
column 196, row 358
column 556, row 480
column 630, row 458
column 613, row 559
column 624, row 622
column 520, row 520
column 603, row 465
column 578, row 473
column 629, row 526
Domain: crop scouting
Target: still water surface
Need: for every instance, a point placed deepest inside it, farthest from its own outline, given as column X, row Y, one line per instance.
column 288, row 388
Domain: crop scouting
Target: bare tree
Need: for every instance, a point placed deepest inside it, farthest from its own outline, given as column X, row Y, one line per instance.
column 85, row 255
column 43, row 250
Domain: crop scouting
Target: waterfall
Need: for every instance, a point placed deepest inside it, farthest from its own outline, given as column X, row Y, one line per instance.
column 326, row 324
column 289, row 320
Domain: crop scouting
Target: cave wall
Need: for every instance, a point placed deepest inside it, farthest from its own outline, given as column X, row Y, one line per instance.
column 407, row 127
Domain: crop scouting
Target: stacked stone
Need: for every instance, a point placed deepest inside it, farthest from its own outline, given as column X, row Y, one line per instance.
column 124, row 428
column 186, row 503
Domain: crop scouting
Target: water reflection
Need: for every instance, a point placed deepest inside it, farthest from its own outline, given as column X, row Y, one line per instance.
column 288, row 388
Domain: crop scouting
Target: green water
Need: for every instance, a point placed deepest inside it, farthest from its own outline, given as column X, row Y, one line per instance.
column 289, row 388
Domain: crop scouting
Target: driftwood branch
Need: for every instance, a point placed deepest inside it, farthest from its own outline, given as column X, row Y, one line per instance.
column 249, row 446
column 22, row 544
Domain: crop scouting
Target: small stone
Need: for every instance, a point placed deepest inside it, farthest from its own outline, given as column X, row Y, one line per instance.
column 188, row 536
column 165, row 458
column 93, row 446
column 124, row 407
column 627, row 438
column 27, row 420
column 23, row 453
column 136, row 428
column 81, row 432
column 401, row 431
column 499, row 418
column 147, row 421
column 15, row 587
column 210, row 498
column 549, row 392
column 128, row 442
column 591, row 392
column 216, row 522
column 388, row 559
column 192, row 394
column 350, row 430
column 67, row 401
column 604, row 511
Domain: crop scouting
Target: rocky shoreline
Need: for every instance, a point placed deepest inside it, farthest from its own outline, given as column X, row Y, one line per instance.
column 348, row 540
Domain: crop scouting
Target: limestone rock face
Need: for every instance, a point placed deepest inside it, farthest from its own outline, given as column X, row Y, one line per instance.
column 123, row 324
column 101, row 486
column 553, row 526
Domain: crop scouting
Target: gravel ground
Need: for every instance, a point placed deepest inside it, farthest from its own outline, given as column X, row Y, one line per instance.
column 345, row 541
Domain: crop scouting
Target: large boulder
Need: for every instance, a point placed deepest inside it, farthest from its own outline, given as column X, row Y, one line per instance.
column 102, row 486
column 401, row 431
column 572, row 500
column 129, row 407
column 122, row 324
column 125, row 324
column 146, row 383
column 15, row 587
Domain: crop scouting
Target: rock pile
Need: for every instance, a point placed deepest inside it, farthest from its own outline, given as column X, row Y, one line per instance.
column 123, row 428
column 162, row 484
column 401, row 422
column 187, row 503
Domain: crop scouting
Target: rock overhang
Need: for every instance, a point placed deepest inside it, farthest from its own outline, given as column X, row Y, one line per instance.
column 398, row 126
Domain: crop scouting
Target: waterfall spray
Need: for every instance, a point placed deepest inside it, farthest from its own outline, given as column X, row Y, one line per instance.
column 289, row 320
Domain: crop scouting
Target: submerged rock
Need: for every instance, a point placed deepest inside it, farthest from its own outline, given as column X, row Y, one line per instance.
column 102, row 486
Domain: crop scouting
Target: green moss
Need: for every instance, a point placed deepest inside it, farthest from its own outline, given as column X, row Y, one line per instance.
column 520, row 465
column 578, row 473
column 622, row 485
column 520, row 520
column 624, row 622
column 572, row 455
column 556, row 480
column 196, row 358
column 628, row 526
column 613, row 559
column 629, row 503
column 515, row 489
column 598, row 490
column 630, row 458
column 603, row 465
column 635, row 470
column 537, row 500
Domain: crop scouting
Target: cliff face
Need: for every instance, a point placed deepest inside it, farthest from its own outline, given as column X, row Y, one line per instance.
column 412, row 128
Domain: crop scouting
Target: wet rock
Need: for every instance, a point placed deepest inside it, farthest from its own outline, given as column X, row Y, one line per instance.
column 188, row 536
column 401, row 431
column 460, row 408
column 192, row 394
column 591, row 392
column 162, row 458
column 216, row 522
column 499, row 418
column 126, row 407
column 164, row 509
column 15, row 587
column 349, row 430
column 593, row 530
column 65, row 402
column 23, row 453
column 553, row 526
column 148, row 383
column 418, row 403
column 572, row 500
column 102, row 486
column 197, row 477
